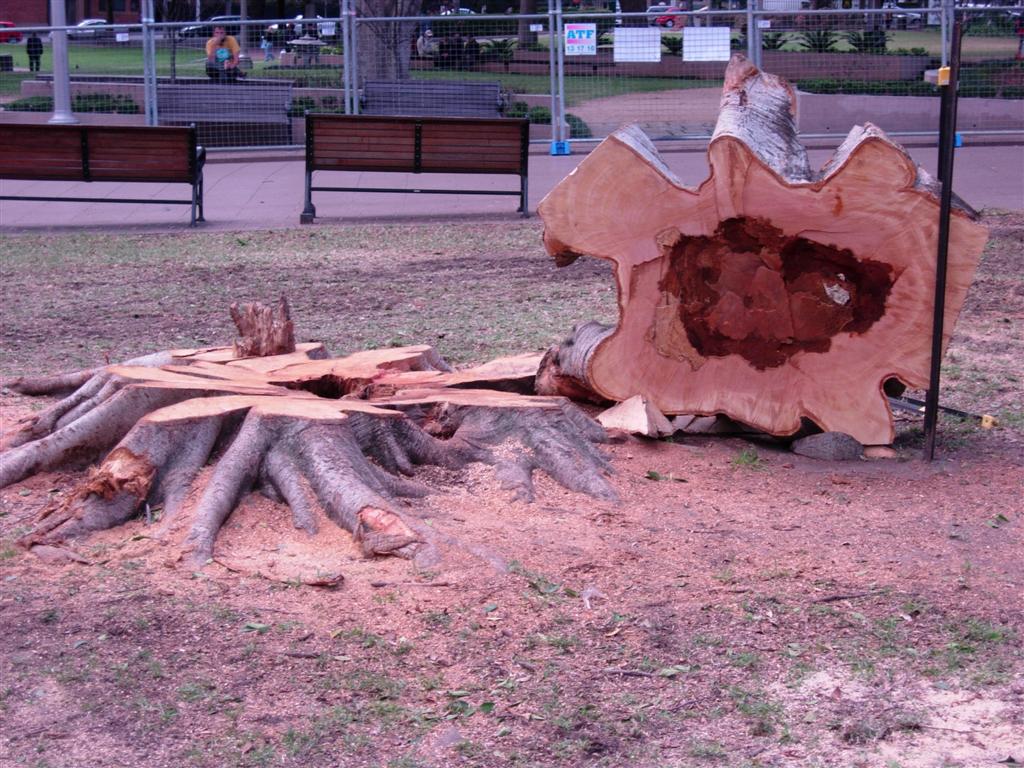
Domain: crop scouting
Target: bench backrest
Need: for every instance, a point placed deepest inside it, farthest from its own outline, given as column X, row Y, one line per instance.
column 431, row 97
column 98, row 153
column 224, row 102
column 416, row 144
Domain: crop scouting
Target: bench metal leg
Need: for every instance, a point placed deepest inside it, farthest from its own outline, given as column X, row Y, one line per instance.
column 197, row 201
column 523, row 187
column 309, row 212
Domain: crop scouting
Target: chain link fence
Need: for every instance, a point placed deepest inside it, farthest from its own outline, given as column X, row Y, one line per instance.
column 576, row 74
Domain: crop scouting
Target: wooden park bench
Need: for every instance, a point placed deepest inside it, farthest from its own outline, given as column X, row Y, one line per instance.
column 239, row 114
column 415, row 145
column 104, row 153
column 434, row 98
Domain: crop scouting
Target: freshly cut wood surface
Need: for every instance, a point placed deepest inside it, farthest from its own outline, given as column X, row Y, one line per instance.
column 771, row 292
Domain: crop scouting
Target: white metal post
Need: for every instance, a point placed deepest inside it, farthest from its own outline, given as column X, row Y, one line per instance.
column 148, row 63
column 61, row 80
column 945, row 25
column 553, row 85
column 353, row 31
column 346, row 53
column 559, row 119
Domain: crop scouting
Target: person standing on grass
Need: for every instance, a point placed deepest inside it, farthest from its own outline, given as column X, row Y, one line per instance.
column 222, row 52
column 34, row 49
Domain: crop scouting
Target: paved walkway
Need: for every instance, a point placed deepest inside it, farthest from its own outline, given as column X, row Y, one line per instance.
column 268, row 195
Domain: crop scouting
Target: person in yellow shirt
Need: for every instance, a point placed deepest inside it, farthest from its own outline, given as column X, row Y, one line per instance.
column 222, row 57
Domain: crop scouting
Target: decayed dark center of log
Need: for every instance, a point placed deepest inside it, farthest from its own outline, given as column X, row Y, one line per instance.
column 752, row 291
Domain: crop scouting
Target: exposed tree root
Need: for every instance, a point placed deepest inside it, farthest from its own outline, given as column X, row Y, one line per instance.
column 300, row 431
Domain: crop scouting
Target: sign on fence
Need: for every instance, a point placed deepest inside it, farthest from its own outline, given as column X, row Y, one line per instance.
column 637, row 44
column 581, row 39
column 706, row 43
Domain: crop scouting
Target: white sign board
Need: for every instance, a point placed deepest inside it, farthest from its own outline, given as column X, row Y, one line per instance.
column 637, row 44
column 536, row 27
column 121, row 37
column 706, row 43
column 781, row 5
column 581, row 39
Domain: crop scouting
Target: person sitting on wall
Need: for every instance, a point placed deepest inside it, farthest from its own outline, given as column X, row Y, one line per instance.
column 222, row 52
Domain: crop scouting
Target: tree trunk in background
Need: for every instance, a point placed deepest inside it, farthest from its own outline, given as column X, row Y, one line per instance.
column 385, row 48
column 634, row 6
column 526, row 37
column 772, row 292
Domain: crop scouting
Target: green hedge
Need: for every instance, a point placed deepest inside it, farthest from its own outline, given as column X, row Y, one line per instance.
column 87, row 102
column 578, row 129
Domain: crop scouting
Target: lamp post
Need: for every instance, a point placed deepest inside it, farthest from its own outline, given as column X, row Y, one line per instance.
column 62, row 114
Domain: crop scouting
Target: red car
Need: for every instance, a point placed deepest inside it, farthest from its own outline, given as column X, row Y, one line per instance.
column 8, row 36
column 670, row 20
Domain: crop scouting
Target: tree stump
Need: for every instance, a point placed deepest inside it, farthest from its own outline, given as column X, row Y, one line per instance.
column 344, row 435
column 770, row 293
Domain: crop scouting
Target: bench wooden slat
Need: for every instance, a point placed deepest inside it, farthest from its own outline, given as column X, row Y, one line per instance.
column 104, row 153
column 415, row 144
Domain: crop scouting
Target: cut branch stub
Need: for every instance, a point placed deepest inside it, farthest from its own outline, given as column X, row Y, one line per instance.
column 296, row 430
column 771, row 292
column 264, row 330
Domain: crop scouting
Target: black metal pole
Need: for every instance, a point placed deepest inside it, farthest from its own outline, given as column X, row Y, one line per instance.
column 947, row 138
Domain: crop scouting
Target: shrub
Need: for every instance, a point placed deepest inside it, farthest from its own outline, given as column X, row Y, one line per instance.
column 871, row 87
column 86, row 102
column 673, row 44
column 773, row 41
column 31, row 104
column 818, row 40
column 300, row 105
column 867, row 41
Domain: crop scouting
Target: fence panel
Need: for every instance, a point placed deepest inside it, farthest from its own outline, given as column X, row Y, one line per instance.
column 577, row 76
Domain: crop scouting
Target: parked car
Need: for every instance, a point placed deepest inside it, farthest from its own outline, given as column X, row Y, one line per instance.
column 294, row 29
column 898, row 17
column 230, row 23
column 666, row 16
column 95, row 29
column 7, row 35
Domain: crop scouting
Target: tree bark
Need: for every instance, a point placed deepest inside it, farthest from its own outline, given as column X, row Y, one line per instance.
column 526, row 37
column 770, row 293
column 385, row 47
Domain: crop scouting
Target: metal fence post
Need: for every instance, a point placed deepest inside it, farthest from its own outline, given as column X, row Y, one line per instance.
column 149, row 64
column 61, row 78
column 556, row 64
column 563, row 132
column 752, row 46
column 346, row 52
column 944, row 27
column 552, row 67
column 354, row 58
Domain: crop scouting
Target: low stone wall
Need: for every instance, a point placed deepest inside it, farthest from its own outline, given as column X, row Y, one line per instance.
column 832, row 113
column 792, row 65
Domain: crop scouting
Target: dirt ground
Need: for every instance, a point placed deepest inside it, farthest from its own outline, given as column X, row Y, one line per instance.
column 750, row 607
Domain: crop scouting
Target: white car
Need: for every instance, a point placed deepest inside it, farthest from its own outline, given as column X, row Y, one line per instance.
column 324, row 27
column 94, row 29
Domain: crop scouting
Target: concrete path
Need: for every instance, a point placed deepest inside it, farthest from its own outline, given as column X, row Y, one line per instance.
column 268, row 195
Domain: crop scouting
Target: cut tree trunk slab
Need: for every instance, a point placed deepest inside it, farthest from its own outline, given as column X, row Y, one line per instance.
column 336, row 439
column 771, row 292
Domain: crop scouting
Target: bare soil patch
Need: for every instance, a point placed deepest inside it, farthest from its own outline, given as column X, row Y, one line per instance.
column 751, row 608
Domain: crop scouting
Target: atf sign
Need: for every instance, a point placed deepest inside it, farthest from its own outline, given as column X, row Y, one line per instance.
column 581, row 39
